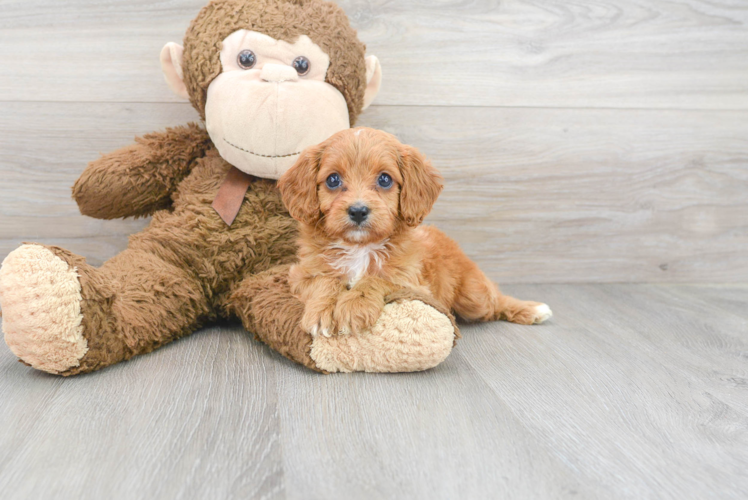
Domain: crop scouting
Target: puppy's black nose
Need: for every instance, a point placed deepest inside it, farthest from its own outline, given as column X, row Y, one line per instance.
column 358, row 213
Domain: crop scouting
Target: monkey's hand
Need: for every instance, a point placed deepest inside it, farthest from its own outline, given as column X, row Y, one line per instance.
column 139, row 179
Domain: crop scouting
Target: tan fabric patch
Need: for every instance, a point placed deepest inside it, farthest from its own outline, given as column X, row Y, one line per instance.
column 41, row 300
column 230, row 196
column 409, row 336
column 325, row 23
column 262, row 129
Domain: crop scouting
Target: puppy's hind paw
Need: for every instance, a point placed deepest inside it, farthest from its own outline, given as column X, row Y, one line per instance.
column 526, row 313
column 542, row 314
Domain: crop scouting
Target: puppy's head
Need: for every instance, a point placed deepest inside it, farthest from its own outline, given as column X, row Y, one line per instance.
column 361, row 185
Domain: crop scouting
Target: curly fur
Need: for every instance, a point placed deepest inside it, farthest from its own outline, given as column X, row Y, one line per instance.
column 346, row 268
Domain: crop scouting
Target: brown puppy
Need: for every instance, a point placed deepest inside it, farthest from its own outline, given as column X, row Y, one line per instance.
column 360, row 197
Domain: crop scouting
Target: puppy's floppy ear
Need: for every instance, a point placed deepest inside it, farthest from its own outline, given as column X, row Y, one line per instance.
column 422, row 184
column 298, row 186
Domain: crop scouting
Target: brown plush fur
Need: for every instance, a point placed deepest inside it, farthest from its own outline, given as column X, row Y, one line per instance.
column 324, row 22
column 138, row 180
column 179, row 272
column 344, row 294
column 188, row 267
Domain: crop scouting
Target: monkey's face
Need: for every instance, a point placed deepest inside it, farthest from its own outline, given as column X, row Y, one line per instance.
column 271, row 102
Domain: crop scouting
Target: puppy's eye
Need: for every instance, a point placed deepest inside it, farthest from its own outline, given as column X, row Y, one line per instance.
column 384, row 181
column 334, row 181
column 301, row 64
column 246, row 59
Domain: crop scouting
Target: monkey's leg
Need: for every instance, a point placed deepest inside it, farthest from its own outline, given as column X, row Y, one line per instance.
column 413, row 333
column 62, row 316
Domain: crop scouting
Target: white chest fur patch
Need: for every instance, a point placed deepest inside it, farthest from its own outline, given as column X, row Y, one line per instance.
column 354, row 260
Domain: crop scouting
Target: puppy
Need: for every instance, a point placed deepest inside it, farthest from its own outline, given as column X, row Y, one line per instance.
column 360, row 198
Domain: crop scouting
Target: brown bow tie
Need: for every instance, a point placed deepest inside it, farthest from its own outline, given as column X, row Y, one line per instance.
column 230, row 196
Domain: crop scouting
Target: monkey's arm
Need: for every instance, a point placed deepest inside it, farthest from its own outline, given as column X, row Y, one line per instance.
column 137, row 180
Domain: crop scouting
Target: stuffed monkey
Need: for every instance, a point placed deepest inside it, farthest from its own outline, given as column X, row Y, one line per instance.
column 269, row 78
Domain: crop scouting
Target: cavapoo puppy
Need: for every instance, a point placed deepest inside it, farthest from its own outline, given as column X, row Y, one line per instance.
column 360, row 198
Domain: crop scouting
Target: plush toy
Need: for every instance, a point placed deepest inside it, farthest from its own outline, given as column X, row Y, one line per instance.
column 269, row 78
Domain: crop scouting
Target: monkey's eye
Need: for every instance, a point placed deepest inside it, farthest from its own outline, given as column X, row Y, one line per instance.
column 384, row 181
column 246, row 59
column 301, row 64
column 334, row 181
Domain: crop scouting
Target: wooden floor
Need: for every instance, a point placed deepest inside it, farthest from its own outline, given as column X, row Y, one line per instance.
column 631, row 391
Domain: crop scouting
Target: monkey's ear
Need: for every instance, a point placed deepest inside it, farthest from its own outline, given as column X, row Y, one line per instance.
column 298, row 186
column 422, row 184
column 373, row 80
column 171, row 65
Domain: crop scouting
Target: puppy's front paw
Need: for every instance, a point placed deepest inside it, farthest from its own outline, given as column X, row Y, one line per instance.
column 318, row 319
column 357, row 311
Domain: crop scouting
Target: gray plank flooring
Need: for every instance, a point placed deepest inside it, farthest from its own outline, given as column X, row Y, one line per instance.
column 631, row 391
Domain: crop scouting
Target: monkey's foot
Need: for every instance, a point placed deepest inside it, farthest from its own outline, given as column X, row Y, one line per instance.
column 40, row 295
column 412, row 334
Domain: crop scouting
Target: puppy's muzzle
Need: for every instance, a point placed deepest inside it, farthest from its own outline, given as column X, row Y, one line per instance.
column 358, row 213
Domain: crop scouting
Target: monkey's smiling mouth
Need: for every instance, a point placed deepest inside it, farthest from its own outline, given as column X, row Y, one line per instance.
column 258, row 154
